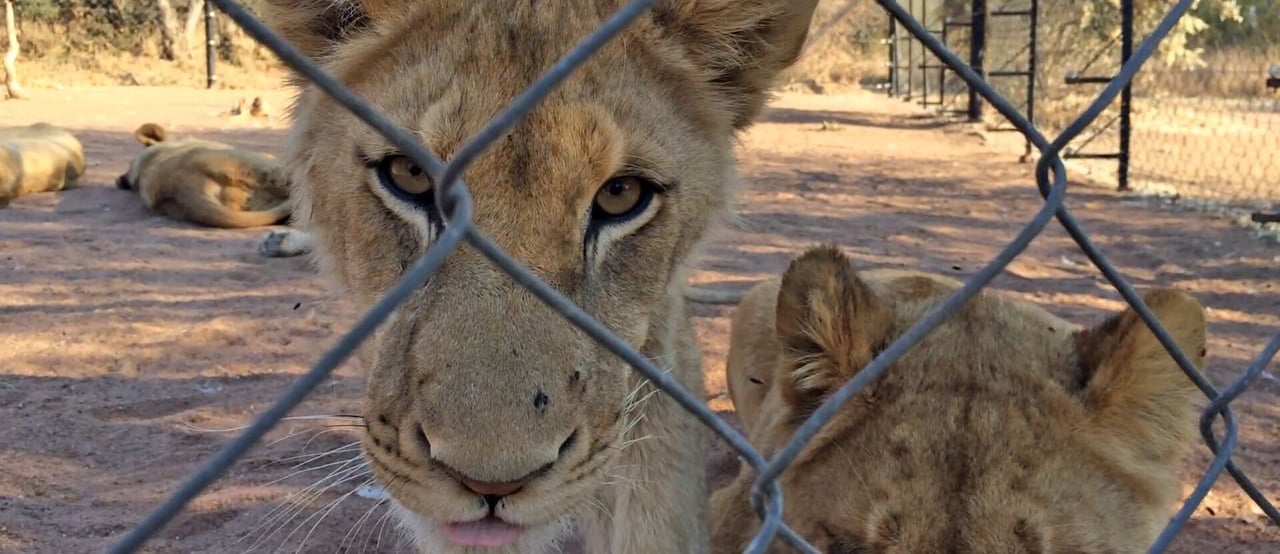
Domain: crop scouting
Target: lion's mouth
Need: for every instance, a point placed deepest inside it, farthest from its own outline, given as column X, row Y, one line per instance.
column 490, row 531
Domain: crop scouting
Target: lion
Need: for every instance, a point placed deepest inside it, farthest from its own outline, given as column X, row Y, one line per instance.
column 1004, row 430
column 258, row 108
column 205, row 182
column 493, row 423
column 38, row 158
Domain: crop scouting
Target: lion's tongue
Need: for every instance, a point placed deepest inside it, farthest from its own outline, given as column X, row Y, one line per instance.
column 489, row 531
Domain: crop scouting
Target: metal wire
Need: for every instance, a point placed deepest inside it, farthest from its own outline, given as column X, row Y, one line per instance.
column 455, row 203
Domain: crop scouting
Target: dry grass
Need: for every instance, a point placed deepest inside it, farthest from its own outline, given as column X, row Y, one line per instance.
column 54, row 56
column 844, row 52
column 844, row 49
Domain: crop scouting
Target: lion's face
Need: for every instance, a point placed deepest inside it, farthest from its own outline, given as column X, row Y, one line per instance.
column 1006, row 431
column 490, row 418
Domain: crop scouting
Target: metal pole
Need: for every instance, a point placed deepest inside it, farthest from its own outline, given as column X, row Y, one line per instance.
column 894, row 78
column 1126, row 96
column 977, row 52
column 924, row 57
column 911, row 8
column 210, row 44
column 1031, row 69
column 942, row 68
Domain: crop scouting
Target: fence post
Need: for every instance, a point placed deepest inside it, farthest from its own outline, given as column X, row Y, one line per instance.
column 911, row 9
column 924, row 58
column 893, row 57
column 1126, row 96
column 942, row 67
column 1034, row 22
column 977, row 54
column 210, row 44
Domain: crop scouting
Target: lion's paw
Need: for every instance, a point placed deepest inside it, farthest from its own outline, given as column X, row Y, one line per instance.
column 285, row 244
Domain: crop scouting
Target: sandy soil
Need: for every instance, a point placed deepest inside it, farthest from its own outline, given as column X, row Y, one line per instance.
column 131, row 345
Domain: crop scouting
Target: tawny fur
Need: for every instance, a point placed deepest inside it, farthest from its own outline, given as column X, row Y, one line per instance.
column 474, row 372
column 207, row 183
column 37, row 158
column 291, row 242
column 1005, row 430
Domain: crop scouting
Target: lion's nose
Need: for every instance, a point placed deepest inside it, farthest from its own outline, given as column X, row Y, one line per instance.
column 483, row 488
column 488, row 476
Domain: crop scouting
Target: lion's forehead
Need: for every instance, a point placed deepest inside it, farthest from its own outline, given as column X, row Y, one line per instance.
column 484, row 63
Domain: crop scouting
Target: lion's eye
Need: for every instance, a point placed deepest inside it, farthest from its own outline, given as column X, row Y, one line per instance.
column 622, row 198
column 399, row 174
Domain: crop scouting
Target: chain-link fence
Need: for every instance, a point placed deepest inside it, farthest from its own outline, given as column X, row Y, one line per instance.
column 455, row 204
column 1206, row 124
column 1203, row 121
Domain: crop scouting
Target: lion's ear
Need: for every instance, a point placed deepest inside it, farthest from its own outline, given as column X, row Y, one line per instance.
column 829, row 324
column 1132, row 387
column 149, row 133
column 318, row 27
column 743, row 45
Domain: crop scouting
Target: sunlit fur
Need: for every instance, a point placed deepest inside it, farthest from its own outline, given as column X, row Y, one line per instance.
column 1005, row 431
column 206, row 182
column 37, row 158
column 473, row 372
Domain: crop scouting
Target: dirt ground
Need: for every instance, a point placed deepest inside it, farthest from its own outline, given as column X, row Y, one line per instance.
column 132, row 346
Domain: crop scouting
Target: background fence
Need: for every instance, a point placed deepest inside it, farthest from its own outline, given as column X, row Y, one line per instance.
column 1203, row 126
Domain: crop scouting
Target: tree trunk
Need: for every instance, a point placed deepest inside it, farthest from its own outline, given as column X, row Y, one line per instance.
column 11, row 86
column 191, row 40
column 168, row 30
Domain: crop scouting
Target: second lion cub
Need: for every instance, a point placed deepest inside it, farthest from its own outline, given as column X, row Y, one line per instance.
column 1005, row 430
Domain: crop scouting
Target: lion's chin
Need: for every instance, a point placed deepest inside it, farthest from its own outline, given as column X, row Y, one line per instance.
column 484, row 537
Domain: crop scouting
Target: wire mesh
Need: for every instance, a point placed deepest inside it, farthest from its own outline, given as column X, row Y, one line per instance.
column 1205, row 113
column 455, row 201
column 1206, row 123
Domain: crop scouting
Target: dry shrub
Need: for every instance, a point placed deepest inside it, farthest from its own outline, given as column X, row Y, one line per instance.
column 845, row 47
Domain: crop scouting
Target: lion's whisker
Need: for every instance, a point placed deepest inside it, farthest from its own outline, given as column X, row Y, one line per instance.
column 312, row 457
column 288, row 504
column 195, row 427
column 380, row 527
column 319, row 434
column 323, row 513
column 307, row 470
column 348, row 477
column 598, row 504
column 629, row 442
column 374, row 530
column 296, row 502
column 359, row 524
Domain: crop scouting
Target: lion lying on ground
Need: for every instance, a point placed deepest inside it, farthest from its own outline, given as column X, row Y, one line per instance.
column 206, row 182
column 37, row 158
column 1005, row 430
column 492, row 422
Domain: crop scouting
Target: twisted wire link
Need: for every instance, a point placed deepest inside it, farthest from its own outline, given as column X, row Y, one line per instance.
column 455, row 203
